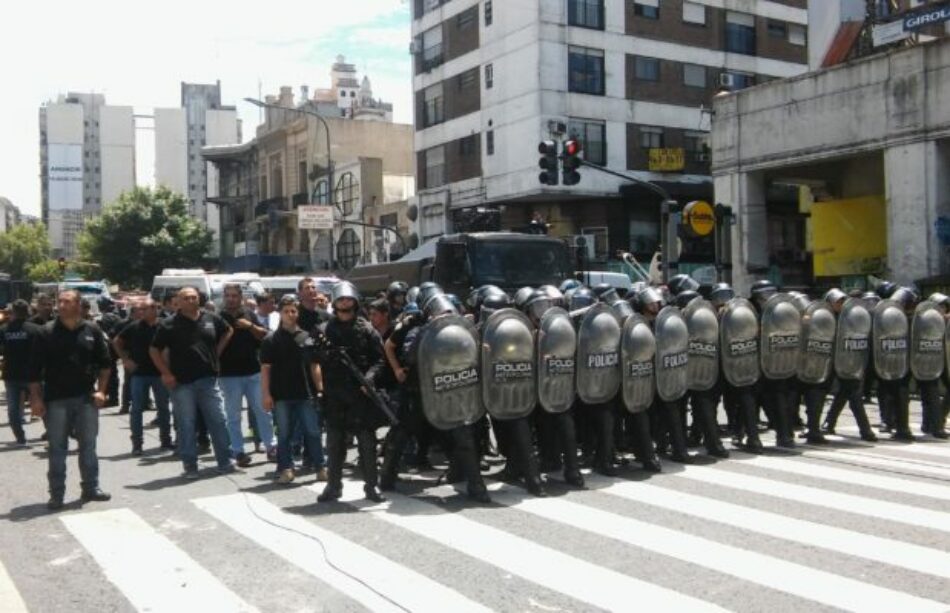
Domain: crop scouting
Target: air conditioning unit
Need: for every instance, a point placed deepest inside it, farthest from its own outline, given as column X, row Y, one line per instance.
column 727, row 80
column 584, row 244
column 415, row 47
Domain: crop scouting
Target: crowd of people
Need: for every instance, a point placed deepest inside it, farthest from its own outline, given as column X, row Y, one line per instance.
column 549, row 379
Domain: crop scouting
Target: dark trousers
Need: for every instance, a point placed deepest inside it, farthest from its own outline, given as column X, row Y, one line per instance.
column 850, row 392
column 412, row 423
column 780, row 395
column 894, row 398
column 336, row 456
column 746, row 405
column 705, row 406
column 557, row 438
column 932, row 420
column 463, row 456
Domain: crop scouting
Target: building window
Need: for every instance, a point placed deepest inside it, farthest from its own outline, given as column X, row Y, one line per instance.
column 468, row 80
column 322, row 193
column 467, row 19
column 797, row 35
column 467, row 145
column 694, row 12
column 593, row 137
column 740, row 33
column 586, row 13
column 348, row 248
column 695, row 146
column 586, row 71
column 435, row 166
column 651, row 137
column 741, row 80
column 434, row 105
column 347, row 193
column 490, row 142
column 489, row 76
column 647, row 68
column 488, row 12
column 694, row 75
column 777, row 29
column 432, row 48
column 649, row 9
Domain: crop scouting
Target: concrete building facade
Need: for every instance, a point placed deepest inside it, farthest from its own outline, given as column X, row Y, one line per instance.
column 9, row 215
column 87, row 159
column 627, row 78
column 841, row 173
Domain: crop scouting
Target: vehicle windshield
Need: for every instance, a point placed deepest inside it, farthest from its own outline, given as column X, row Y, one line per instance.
column 519, row 263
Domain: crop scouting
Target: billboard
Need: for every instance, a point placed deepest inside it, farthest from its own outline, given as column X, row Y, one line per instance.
column 64, row 180
column 849, row 236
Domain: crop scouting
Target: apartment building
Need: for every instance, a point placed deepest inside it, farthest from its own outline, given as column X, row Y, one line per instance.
column 633, row 80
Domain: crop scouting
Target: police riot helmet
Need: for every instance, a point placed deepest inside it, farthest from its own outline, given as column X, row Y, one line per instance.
column 685, row 297
column 940, row 299
column 412, row 295
column 721, row 294
column 475, row 296
column 521, row 296
column 800, row 300
column 871, row 298
column 494, row 301
column 665, row 296
column 606, row 293
column 905, row 296
column 396, row 289
column 439, row 304
column 621, row 309
column 682, row 283
column 761, row 291
column 426, row 291
column 344, row 289
column 554, row 294
column 411, row 308
column 569, row 284
column 582, row 297
column 834, row 295
column 649, row 295
column 885, row 289
column 537, row 304
column 456, row 301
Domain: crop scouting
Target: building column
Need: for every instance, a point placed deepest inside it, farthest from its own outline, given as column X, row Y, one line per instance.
column 911, row 194
column 745, row 193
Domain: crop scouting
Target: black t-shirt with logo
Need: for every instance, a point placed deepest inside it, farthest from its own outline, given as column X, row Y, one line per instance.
column 16, row 342
column 192, row 345
column 290, row 356
column 136, row 339
column 68, row 361
column 239, row 358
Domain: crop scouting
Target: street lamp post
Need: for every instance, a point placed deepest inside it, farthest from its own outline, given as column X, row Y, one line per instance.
column 326, row 128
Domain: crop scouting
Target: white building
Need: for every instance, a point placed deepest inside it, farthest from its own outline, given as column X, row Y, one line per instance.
column 627, row 78
column 87, row 158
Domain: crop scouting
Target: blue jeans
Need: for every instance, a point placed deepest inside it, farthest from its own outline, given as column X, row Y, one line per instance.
column 141, row 385
column 189, row 399
column 235, row 390
column 15, row 391
column 303, row 413
column 61, row 417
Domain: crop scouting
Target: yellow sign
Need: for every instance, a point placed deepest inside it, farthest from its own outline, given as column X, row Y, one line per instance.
column 700, row 217
column 667, row 160
column 849, row 236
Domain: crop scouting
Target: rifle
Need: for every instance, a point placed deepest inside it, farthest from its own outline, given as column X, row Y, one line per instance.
column 324, row 345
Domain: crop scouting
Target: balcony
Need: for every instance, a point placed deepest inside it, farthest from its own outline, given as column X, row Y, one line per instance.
column 300, row 198
column 264, row 207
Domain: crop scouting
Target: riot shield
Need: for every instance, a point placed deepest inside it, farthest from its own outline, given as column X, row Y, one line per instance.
column 890, row 331
column 448, row 358
column 557, row 348
column 672, row 354
column 509, row 387
column 598, row 355
column 702, row 371
column 780, row 337
column 927, row 333
column 818, row 343
column 637, row 350
column 852, row 340
column 739, row 340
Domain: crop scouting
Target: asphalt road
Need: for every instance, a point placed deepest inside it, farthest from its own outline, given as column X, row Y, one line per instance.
column 847, row 526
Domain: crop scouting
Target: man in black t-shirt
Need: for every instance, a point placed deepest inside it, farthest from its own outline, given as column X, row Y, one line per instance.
column 132, row 346
column 290, row 379
column 16, row 341
column 69, row 356
column 240, row 376
column 313, row 305
column 43, row 313
column 194, row 340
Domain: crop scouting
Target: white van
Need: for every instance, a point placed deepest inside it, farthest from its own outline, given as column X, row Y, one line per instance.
column 280, row 286
column 250, row 283
column 173, row 279
column 618, row 280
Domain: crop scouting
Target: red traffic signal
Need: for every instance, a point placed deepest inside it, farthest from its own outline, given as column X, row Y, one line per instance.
column 570, row 162
column 62, row 263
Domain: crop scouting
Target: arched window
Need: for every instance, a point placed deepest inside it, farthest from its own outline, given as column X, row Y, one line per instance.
column 348, row 249
column 322, row 193
column 347, row 191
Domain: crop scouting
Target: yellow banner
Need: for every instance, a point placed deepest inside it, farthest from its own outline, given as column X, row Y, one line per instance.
column 850, row 236
column 666, row 160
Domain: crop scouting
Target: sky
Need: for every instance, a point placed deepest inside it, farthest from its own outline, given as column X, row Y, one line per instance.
column 137, row 53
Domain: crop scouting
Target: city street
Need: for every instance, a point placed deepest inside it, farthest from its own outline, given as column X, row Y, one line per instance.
column 847, row 526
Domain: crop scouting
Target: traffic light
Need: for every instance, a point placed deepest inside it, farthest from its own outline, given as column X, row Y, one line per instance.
column 62, row 264
column 570, row 162
column 548, row 162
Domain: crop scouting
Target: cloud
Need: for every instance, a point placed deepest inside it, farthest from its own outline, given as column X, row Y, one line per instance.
column 137, row 53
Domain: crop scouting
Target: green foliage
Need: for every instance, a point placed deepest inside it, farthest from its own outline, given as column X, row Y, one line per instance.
column 21, row 247
column 47, row 271
column 141, row 233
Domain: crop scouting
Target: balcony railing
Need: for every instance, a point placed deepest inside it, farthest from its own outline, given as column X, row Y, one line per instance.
column 264, row 207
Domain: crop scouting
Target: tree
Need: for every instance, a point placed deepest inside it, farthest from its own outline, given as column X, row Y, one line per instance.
column 21, row 247
column 47, row 271
column 141, row 233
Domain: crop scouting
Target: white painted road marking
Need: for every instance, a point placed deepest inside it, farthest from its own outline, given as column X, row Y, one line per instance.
column 10, row 599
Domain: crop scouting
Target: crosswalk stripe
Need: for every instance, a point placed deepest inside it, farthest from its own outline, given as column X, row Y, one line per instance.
column 850, row 477
column 152, row 572
column 789, row 577
column 849, row 542
column 935, row 449
column 899, row 464
column 557, row 571
column 10, row 599
column 849, row 503
column 359, row 567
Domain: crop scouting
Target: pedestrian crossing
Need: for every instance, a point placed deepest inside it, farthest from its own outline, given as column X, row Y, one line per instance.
column 816, row 529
